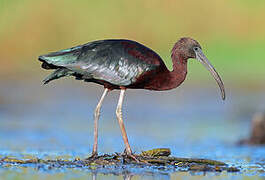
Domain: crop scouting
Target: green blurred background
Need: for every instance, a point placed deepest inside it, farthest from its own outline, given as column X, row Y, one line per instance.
column 192, row 121
column 231, row 32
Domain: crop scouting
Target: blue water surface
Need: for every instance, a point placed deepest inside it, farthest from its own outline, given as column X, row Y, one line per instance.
column 57, row 120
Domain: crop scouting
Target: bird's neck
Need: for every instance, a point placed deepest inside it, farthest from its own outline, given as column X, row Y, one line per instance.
column 166, row 79
column 179, row 72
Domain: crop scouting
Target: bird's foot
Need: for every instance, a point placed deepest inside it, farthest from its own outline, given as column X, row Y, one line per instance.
column 133, row 157
column 93, row 157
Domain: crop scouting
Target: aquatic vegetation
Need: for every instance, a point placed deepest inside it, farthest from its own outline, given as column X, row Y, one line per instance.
column 152, row 159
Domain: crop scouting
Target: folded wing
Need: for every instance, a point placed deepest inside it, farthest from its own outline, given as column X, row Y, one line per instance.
column 119, row 62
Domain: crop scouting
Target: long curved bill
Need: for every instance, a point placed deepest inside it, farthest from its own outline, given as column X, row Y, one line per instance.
column 203, row 59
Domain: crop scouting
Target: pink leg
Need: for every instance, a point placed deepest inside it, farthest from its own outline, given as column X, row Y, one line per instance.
column 122, row 127
column 96, row 118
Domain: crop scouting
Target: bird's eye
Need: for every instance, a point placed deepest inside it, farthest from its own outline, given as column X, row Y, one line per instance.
column 196, row 48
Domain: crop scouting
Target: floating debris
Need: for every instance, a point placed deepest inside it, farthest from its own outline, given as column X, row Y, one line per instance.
column 157, row 158
column 156, row 152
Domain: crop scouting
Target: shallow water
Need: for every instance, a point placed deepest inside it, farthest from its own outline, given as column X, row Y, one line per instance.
column 57, row 121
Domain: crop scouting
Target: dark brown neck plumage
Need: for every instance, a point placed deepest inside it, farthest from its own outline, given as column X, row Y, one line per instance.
column 170, row 79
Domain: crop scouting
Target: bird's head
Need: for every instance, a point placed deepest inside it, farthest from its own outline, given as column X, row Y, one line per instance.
column 189, row 48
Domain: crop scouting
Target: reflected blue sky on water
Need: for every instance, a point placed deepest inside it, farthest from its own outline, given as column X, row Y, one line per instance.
column 57, row 119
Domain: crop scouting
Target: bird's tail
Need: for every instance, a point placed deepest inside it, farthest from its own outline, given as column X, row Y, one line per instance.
column 61, row 72
column 46, row 65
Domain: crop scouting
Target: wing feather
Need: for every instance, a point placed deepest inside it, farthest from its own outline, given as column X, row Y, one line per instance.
column 107, row 60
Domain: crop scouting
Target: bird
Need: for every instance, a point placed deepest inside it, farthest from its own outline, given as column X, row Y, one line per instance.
column 121, row 64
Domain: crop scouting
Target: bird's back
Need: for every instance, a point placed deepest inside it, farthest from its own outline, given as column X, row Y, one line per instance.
column 116, row 61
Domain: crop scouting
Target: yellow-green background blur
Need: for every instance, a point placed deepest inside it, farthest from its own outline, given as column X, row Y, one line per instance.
column 231, row 32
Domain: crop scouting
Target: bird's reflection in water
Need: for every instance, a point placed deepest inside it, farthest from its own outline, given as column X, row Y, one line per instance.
column 129, row 176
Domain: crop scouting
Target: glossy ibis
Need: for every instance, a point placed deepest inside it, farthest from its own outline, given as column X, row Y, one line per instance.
column 122, row 64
